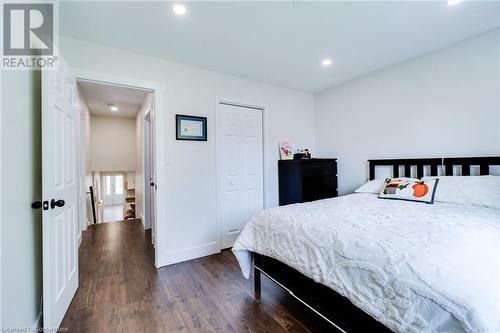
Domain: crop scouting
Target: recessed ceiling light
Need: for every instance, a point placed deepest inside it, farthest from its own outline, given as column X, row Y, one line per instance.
column 326, row 62
column 453, row 2
column 179, row 10
column 113, row 107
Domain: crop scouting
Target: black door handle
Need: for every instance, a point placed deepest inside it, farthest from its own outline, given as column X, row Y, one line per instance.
column 58, row 203
column 152, row 184
column 39, row 204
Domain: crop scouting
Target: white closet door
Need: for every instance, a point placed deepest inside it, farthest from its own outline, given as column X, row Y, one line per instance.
column 239, row 169
column 60, row 190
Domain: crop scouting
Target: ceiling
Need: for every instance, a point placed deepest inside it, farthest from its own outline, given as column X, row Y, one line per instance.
column 99, row 97
column 281, row 42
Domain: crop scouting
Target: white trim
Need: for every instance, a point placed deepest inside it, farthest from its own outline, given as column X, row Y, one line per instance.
column 159, row 92
column 117, row 80
column 37, row 323
column 146, row 187
column 238, row 102
column 81, row 149
column 243, row 105
column 189, row 253
column 141, row 217
column 1, row 187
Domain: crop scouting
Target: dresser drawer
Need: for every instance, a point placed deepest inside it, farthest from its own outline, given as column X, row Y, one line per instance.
column 306, row 180
column 315, row 188
column 319, row 169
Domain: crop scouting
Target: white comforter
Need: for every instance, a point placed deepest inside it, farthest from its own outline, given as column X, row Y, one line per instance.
column 412, row 266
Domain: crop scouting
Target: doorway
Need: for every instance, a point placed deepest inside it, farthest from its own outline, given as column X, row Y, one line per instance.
column 240, row 182
column 114, row 154
column 113, row 198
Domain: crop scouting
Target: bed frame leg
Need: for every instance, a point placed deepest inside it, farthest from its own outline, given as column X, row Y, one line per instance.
column 256, row 283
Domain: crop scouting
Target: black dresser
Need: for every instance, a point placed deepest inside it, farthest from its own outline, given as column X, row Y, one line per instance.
column 307, row 180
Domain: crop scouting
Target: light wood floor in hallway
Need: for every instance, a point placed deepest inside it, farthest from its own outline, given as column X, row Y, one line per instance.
column 121, row 291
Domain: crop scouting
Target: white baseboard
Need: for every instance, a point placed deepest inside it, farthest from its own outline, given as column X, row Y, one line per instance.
column 177, row 256
column 141, row 217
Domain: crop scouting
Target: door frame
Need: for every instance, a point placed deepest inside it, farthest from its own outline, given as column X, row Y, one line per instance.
column 146, row 168
column 82, row 166
column 1, row 208
column 148, row 136
column 245, row 104
column 158, row 91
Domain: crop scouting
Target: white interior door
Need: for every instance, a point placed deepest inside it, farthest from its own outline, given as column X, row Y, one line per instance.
column 60, row 188
column 239, row 169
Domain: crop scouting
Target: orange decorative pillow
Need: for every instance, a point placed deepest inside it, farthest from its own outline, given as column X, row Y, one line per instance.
column 409, row 189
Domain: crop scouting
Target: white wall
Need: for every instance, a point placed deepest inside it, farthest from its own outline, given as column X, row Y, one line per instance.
column 112, row 143
column 139, row 169
column 190, row 201
column 442, row 104
column 21, row 240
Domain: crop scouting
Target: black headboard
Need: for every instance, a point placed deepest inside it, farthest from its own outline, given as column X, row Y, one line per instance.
column 484, row 164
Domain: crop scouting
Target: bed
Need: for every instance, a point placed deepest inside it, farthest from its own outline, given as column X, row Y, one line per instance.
column 365, row 264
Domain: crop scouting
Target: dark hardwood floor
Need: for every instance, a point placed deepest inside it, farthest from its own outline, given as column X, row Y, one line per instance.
column 121, row 291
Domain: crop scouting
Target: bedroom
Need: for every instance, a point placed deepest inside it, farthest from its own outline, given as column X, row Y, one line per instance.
column 351, row 81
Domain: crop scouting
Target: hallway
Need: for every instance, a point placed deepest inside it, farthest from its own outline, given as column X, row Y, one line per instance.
column 121, row 291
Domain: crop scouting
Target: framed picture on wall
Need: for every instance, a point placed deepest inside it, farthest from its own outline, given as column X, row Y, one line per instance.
column 190, row 128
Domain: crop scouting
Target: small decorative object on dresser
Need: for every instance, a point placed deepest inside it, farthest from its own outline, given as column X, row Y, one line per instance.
column 302, row 154
column 285, row 150
column 307, row 180
column 190, row 128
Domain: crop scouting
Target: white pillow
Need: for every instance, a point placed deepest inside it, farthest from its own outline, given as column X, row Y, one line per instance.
column 376, row 185
column 472, row 190
column 371, row 186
